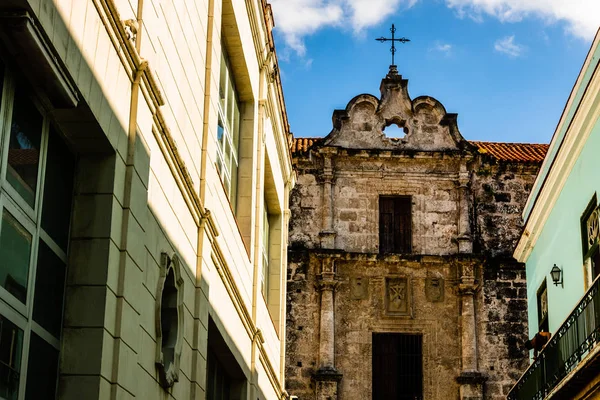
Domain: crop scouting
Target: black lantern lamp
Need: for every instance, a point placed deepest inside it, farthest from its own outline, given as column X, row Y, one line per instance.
column 557, row 276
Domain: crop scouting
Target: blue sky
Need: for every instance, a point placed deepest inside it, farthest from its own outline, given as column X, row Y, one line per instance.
column 505, row 66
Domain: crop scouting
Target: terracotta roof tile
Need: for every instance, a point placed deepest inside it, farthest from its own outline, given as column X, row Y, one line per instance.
column 520, row 152
column 517, row 152
column 301, row 145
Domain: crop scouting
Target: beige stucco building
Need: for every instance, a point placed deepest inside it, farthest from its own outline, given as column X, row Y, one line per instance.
column 144, row 177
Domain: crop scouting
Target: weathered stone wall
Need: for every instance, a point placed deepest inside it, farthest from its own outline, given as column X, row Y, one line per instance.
column 500, row 190
column 359, row 183
column 361, row 310
column 503, row 326
column 459, row 287
column 302, row 328
column 306, row 209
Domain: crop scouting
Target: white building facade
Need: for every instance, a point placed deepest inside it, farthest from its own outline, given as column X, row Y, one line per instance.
column 144, row 178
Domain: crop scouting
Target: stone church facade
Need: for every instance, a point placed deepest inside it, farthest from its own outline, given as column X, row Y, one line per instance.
column 401, row 282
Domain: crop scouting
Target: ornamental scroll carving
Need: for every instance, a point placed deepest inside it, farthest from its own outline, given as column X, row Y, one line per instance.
column 592, row 228
column 359, row 288
column 397, row 296
column 434, row 289
column 169, row 320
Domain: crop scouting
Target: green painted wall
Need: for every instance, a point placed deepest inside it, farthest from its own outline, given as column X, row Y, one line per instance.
column 560, row 240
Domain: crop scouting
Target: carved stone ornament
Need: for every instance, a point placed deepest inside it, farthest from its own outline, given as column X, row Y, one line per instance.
column 131, row 29
column 169, row 320
column 434, row 289
column 359, row 288
column 397, row 296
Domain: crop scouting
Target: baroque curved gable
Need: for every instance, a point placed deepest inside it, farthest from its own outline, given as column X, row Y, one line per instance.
column 426, row 124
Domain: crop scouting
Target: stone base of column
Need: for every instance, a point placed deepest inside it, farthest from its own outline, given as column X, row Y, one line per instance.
column 327, row 380
column 471, row 385
column 328, row 239
column 465, row 244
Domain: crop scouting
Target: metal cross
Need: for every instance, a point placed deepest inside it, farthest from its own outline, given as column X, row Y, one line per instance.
column 393, row 40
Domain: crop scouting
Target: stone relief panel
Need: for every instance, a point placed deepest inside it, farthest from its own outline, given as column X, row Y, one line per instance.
column 434, row 289
column 359, row 288
column 397, row 296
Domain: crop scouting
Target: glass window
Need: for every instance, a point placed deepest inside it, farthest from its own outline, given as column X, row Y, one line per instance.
column 35, row 209
column 49, row 290
column 590, row 234
column 228, row 131
column 1, row 80
column 58, row 190
column 218, row 381
column 23, row 152
column 15, row 250
column 265, row 254
column 222, row 85
column 43, row 370
column 11, row 344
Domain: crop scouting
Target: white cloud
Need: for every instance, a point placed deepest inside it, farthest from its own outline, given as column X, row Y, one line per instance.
column 508, row 46
column 442, row 48
column 582, row 17
column 296, row 19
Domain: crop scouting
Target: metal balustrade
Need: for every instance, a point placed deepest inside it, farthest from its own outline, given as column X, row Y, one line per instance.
column 566, row 349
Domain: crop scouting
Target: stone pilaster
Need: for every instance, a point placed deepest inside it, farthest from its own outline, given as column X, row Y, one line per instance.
column 327, row 233
column 470, row 380
column 327, row 376
column 465, row 240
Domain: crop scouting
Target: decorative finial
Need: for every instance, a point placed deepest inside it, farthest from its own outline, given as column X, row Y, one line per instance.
column 393, row 67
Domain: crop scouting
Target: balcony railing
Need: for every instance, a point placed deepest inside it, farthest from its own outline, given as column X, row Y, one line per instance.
column 565, row 350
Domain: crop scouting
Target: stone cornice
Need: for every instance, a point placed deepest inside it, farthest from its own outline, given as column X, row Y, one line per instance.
column 471, row 377
column 342, row 255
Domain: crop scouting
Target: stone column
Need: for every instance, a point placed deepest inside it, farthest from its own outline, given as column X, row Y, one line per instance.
column 327, row 233
column 470, row 380
column 327, row 376
column 465, row 242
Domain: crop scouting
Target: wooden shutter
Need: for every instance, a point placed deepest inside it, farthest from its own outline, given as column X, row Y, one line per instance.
column 397, row 371
column 403, row 224
column 395, row 225
column 386, row 225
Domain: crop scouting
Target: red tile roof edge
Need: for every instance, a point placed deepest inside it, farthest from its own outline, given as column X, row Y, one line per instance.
column 516, row 152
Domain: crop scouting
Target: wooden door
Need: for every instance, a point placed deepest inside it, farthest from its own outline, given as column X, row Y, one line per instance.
column 397, row 372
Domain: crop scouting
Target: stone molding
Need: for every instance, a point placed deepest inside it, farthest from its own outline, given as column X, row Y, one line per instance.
column 327, row 285
column 327, row 374
column 471, row 378
column 168, row 364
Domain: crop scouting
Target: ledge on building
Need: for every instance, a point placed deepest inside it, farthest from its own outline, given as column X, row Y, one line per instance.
column 329, row 374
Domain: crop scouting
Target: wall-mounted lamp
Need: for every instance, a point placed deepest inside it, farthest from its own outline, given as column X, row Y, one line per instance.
column 557, row 276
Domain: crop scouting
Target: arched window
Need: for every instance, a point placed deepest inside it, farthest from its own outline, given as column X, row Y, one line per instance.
column 169, row 320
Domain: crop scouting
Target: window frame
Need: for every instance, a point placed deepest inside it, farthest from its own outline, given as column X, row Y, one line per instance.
column 589, row 252
column 265, row 256
column 405, row 237
column 8, row 97
column 30, row 218
column 228, row 164
column 543, row 322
